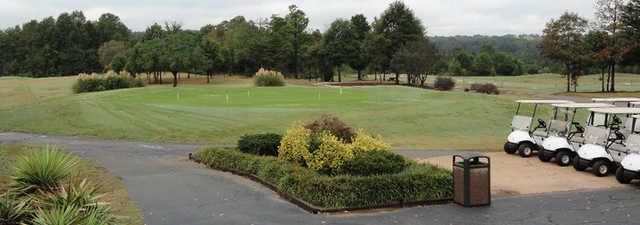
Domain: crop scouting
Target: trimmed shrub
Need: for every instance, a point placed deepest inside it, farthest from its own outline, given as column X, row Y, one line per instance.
column 416, row 182
column 373, row 162
column 444, row 83
column 260, row 144
column 94, row 82
column 268, row 78
column 363, row 143
column 42, row 170
column 487, row 88
column 334, row 126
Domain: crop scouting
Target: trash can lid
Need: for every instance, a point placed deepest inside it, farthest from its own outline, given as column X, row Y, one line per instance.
column 471, row 155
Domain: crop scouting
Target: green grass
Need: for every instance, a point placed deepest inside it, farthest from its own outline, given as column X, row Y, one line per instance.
column 114, row 189
column 405, row 117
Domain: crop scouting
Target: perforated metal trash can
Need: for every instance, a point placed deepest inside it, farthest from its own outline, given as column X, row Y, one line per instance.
column 472, row 179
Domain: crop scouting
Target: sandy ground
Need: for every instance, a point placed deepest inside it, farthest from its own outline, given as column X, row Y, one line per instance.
column 513, row 175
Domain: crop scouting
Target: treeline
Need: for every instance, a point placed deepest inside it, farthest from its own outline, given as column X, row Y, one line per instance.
column 64, row 45
column 395, row 42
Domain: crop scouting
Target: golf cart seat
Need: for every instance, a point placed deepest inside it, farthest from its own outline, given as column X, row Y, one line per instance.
column 596, row 135
column 540, row 133
column 618, row 148
column 633, row 142
column 579, row 140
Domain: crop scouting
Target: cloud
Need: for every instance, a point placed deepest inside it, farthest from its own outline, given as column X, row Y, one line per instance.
column 441, row 17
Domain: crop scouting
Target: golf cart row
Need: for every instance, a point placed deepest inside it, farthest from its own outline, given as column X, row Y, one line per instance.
column 610, row 139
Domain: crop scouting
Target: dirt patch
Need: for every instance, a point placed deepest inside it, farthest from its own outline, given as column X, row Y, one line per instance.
column 512, row 175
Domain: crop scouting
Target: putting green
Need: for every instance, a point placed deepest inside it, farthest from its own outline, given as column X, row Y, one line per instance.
column 406, row 117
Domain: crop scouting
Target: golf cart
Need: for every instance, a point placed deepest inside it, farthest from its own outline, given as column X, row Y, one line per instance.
column 618, row 102
column 630, row 166
column 634, row 104
column 562, row 129
column 603, row 143
column 523, row 138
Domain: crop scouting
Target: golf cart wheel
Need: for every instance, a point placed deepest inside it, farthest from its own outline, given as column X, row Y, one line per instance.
column 622, row 177
column 577, row 165
column 563, row 158
column 525, row 150
column 510, row 148
column 544, row 157
column 601, row 168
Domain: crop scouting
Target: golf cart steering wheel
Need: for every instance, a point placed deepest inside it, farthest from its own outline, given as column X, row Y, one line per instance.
column 619, row 135
column 579, row 128
column 542, row 124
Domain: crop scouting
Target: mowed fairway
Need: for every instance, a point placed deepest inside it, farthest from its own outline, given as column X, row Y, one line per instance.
column 409, row 118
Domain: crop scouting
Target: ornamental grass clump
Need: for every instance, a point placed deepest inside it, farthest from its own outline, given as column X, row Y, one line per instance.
column 268, row 78
column 103, row 82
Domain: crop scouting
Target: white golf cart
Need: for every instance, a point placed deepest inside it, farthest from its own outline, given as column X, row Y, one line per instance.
column 629, row 168
column 603, row 143
column 562, row 129
column 618, row 102
column 523, row 138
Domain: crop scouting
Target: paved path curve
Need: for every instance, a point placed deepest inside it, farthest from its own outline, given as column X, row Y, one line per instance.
column 171, row 190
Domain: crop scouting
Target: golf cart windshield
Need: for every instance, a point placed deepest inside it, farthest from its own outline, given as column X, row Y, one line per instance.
column 565, row 115
column 633, row 141
column 524, row 122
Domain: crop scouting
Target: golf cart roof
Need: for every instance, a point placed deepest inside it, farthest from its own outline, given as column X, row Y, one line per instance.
column 544, row 101
column 583, row 105
column 636, row 116
column 616, row 99
column 616, row 110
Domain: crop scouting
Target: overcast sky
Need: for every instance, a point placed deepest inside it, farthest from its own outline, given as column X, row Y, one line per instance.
column 441, row 17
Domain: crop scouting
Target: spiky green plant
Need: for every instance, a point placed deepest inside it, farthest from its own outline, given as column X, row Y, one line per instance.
column 99, row 216
column 82, row 195
column 59, row 216
column 12, row 210
column 42, row 170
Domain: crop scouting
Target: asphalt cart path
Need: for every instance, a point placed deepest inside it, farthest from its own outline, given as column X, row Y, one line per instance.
column 172, row 190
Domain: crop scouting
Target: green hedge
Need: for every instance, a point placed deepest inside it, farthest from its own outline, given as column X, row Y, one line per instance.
column 104, row 84
column 417, row 182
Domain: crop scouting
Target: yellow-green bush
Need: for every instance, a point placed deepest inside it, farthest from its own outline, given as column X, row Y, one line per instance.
column 364, row 143
column 294, row 145
column 331, row 154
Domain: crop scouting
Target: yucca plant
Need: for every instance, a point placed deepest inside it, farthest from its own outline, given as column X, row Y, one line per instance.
column 59, row 216
column 42, row 170
column 13, row 211
column 99, row 216
column 83, row 195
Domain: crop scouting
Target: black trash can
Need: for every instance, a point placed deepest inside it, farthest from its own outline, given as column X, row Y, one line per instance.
column 472, row 179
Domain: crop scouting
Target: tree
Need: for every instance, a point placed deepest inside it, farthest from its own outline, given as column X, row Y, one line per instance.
column 153, row 32
column 118, row 62
column 399, row 25
column 211, row 51
column 177, row 55
column 361, row 31
column 631, row 19
column 483, row 65
column 110, row 49
column 563, row 43
column 417, row 59
column 609, row 16
column 597, row 42
column 297, row 22
column 339, row 44
column 504, row 64
column 135, row 63
column 110, row 27
column 464, row 58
